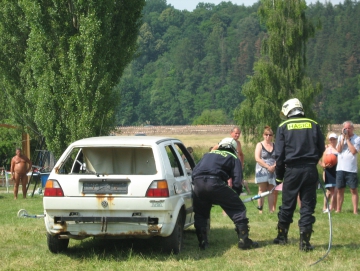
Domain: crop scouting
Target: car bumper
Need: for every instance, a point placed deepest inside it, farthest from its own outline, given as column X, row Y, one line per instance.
column 110, row 216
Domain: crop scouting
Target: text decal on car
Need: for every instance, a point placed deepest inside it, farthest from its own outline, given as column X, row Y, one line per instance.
column 105, row 188
column 156, row 203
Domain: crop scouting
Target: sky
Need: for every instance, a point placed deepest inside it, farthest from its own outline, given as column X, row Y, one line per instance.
column 190, row 5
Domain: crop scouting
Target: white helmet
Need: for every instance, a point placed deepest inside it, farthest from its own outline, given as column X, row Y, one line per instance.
column 228, row 143
column 291, row 107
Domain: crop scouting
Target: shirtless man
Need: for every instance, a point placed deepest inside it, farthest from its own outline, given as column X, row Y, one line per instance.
column 235, row 134
column 18, row 170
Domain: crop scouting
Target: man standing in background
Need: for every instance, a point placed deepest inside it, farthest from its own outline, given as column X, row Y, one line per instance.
column 235, row 134
column 19, row 169
column 346, row 170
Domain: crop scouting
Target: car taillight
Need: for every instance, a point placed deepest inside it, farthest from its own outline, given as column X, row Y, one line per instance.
column 158, row 189
column 53, row 189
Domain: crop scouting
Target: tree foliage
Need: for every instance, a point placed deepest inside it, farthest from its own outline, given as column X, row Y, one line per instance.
column 9, row 140
column 214, row 117
column 203, row 59
column 334, row 60
column 61, row 61
column 186, row 62
column 280, row 72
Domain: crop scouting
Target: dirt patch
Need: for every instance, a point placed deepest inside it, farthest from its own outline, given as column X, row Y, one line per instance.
column 194, row 129
column 175, row 130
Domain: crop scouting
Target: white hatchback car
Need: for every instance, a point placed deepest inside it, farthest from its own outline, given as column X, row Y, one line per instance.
column 119, row 187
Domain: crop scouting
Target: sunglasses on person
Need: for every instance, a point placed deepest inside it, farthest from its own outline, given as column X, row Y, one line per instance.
column 268, row 135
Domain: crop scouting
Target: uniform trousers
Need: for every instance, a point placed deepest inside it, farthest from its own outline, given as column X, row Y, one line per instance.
column 211, row 190
column 302, row 180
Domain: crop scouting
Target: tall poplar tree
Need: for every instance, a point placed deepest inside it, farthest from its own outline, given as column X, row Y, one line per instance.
column 60, row 61
column 280, row 72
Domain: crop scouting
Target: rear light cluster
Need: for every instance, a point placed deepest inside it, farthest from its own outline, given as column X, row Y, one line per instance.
column 53, row 189
column 158, row 189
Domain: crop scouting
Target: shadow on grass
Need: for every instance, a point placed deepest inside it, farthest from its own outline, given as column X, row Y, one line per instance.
column 349, row 246
column 221, row 240
column 293, row 243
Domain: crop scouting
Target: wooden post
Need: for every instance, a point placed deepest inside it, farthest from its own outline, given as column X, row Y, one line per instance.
column 26, row 144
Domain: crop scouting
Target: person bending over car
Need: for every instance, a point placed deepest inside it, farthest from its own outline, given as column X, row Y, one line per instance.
column 210, row 177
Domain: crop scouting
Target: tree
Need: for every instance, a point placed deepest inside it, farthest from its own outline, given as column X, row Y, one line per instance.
column 211, row 117
column 347, row 109
column 248, row 34
column 61, row 61
column 9, row 140
column 280, row 72
column 10, row 137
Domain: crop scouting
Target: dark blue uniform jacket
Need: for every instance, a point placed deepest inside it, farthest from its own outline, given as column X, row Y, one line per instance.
column 298, row 141
column 222, row 164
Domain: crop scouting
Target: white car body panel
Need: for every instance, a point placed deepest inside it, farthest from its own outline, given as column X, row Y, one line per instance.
column 80, row 214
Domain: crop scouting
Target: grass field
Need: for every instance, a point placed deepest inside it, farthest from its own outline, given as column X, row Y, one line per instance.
column 23, row 240
column 23, row 244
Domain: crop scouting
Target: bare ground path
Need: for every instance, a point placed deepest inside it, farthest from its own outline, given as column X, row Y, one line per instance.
column 193, row 129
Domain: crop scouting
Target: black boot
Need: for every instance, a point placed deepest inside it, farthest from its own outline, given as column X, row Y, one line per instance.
column 282, row 234
column 243, row 234
column 305, row 241
column 202, row 238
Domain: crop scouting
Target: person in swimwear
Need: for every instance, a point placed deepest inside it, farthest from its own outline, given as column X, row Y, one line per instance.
column 19, row 168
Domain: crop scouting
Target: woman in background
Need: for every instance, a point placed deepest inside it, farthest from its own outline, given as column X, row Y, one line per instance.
column 265, row 169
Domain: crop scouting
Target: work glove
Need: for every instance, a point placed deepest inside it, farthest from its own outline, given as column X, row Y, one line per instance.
column 278, row 181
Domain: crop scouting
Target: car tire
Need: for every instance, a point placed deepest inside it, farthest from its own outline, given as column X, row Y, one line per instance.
column 174, row 242
column 55, row 244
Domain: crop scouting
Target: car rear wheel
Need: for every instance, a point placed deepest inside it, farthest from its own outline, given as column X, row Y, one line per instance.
column 55, row 244
column 174, row 242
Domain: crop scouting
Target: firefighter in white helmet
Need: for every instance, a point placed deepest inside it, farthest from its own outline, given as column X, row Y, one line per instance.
column 211, row 188
column 299, row 145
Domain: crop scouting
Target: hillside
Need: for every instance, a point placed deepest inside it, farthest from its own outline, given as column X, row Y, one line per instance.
column 189, row 62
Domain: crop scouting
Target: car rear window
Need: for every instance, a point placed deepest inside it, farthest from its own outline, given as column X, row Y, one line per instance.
column 110, row 160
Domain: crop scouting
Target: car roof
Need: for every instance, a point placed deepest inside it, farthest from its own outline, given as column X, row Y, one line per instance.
column 121, row 140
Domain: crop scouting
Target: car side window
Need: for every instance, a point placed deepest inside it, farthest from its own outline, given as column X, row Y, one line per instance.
column 69, row 165
column 187, row 158
column 174, row 161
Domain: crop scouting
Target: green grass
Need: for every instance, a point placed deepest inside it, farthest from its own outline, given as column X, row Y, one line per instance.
column 23, row 240
column 23, row 244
